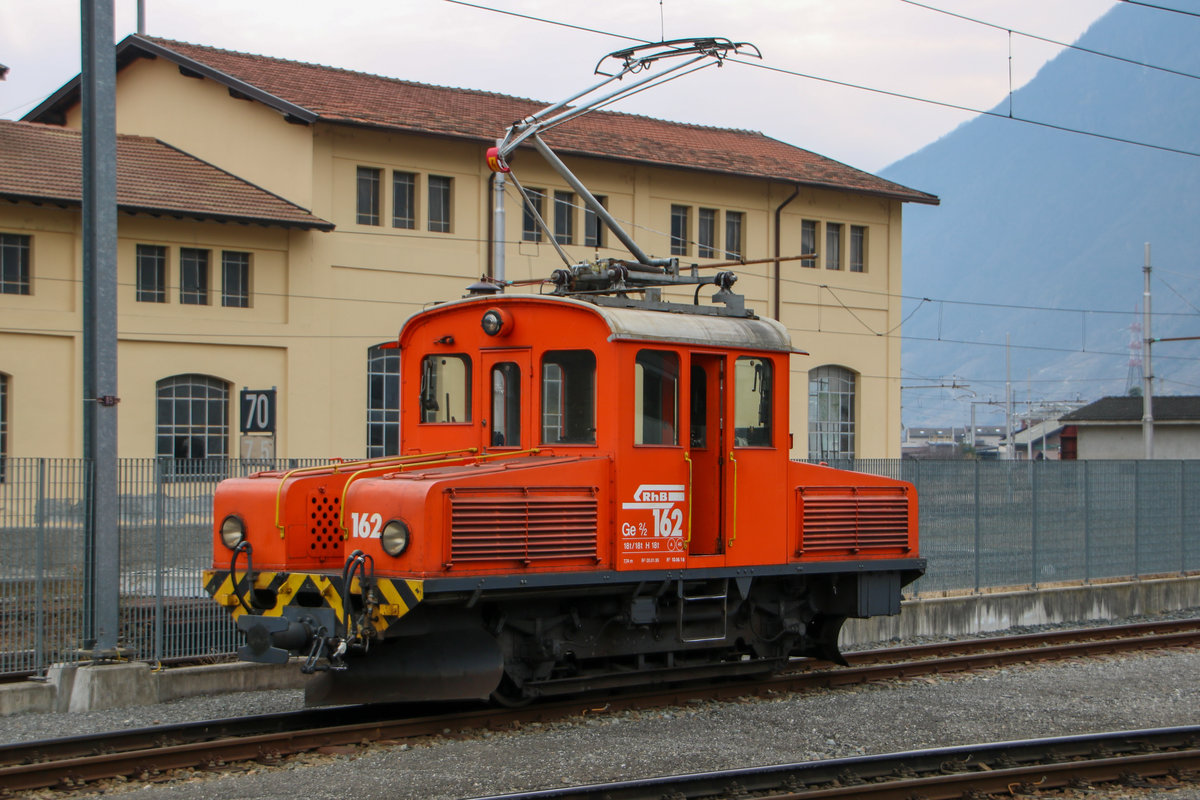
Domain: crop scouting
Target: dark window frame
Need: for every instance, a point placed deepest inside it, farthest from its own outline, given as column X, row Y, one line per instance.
column 706, row 232
column 833, row 245
column 735, row 225
column 235, row 279
column 809, row 230
column 367, row 198
column 195, row 266
column 568, row 397
column 151, row 265
column 564, row 217
column 383, row 401
column 193, row 438
column 858, row 248
column 531, row 231
column 440, row 194
column 404, row 200
column 15, row 263
column 681, row 217
column 593, row 226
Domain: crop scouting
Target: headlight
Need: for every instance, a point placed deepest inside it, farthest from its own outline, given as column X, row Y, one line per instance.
column 496, row 322
column 233, row 531
column 394, row 538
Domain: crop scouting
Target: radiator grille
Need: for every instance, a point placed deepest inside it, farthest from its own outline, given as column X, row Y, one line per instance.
column 523, row 525
column 853, row 519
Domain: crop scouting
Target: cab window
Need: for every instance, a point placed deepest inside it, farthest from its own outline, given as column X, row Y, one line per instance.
column 752, row 402
column 506, row 405
column 446, row 388
column 569, row 397
column 656, row 397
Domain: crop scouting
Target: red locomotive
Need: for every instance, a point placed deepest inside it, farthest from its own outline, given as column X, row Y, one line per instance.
column 594, row 490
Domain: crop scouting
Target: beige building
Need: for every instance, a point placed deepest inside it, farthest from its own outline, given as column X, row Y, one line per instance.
column 389, row 208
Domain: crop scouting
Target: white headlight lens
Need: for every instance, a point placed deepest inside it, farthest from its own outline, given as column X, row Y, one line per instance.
column 394, row 538
column 492, row 322
column 233, row 531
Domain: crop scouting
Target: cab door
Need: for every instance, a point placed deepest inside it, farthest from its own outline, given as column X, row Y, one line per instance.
column 706, row 451
column 506, row 422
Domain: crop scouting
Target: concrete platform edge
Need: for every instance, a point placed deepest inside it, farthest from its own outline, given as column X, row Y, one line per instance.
column 78, row 688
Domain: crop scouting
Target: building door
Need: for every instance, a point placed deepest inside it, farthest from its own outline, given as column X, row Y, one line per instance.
column 706, row 450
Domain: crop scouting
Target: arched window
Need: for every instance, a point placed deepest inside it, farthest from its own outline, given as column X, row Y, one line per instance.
column 830, row 413
column 383, row 401
column 192, row 418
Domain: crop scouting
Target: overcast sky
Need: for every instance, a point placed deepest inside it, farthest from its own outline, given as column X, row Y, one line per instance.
column 889, row 45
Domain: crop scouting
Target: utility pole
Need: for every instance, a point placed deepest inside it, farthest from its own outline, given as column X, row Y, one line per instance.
column 98, row 81
column 1148, row 372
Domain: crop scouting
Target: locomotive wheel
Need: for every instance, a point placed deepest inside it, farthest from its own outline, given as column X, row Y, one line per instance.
column 508, row 695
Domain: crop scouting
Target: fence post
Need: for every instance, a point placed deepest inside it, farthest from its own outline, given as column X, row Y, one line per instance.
column 1087, row 524
column 978, row 532
column 159, row 512
column 1182, row 526
column 39, row 581
column 1137, row 519
column 1033, row 522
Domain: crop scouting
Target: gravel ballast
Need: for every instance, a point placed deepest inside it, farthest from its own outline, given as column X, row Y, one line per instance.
column 1080, row 696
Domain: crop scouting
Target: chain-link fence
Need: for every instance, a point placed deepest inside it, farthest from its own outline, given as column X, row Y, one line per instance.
column 984, row 525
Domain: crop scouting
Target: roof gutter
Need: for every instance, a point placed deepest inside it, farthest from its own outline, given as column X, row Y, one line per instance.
column 778, row 240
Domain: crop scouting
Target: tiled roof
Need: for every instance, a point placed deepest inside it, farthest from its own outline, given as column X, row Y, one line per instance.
column 1168, row 408
column 44, row 163
column 311, row 91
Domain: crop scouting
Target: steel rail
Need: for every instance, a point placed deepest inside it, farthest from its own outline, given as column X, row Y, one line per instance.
column 137, row 753
column 954, row 772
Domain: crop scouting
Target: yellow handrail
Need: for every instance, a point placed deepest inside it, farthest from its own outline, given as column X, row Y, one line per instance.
column 386, row 462
column 735, row 514
column 688, row 458
column 400, row 468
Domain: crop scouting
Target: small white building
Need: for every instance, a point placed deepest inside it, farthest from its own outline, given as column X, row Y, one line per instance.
column 1111, row 428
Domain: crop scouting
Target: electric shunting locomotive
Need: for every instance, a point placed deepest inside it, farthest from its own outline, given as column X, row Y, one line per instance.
column 593, row 491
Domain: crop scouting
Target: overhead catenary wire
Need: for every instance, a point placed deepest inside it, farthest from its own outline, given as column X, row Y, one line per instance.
column 873, row 90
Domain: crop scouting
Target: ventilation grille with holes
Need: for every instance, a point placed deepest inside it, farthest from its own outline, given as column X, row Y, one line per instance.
column 325, row 535
column 853, row 518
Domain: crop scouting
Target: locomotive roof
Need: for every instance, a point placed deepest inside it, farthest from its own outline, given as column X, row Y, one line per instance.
column 645, row 325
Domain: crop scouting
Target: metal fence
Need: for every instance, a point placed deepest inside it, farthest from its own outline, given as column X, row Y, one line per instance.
column 984, row 525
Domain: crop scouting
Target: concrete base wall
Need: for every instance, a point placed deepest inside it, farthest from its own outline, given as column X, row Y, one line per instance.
column 71, row 688
column 979, row 613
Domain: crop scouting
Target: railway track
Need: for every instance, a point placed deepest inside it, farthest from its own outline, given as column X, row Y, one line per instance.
column 147, row 754
column 1007, row 769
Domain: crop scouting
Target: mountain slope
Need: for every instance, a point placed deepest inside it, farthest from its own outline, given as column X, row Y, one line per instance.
column 1032, row 216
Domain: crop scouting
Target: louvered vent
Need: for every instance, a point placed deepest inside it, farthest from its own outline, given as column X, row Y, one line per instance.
column 853, row 518
column 526, row 525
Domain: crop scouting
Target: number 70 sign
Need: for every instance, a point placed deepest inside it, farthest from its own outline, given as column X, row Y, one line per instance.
column 258, row 410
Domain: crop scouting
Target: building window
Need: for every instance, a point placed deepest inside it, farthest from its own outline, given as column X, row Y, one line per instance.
column 833, row 245
column 808, row 243
column 733, row 234
column 564, row 217
column 439, row 204
column 680, row 217
column 192, row 420
column 151, row 273
column 706, row 232
column 193, row 276
column 404, row 199
column 593, row 227
column 656, row 397
column 3, row 424
column 368, row 195
column 830, row 413
column 858, row 248
column 531, row 229
column 383, row 401
column 569, row 397
column 14, row 263
column 235, row 279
